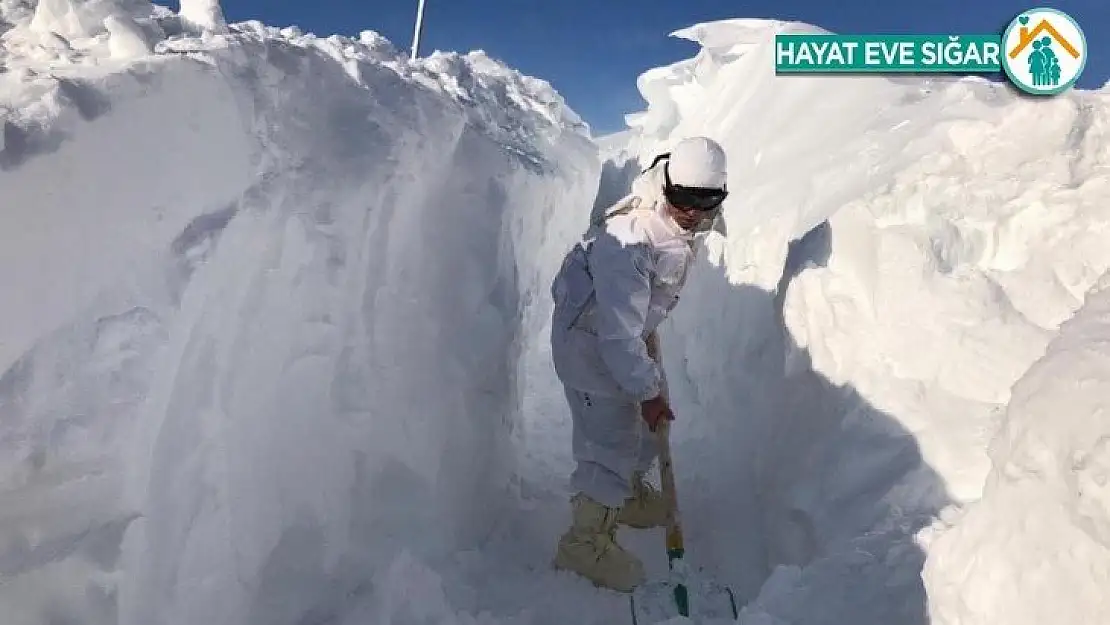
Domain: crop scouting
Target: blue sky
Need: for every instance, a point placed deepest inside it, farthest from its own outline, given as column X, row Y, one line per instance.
column 592, row 50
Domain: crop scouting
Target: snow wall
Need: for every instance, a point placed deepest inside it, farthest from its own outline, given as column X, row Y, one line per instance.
column 264, row 298
column 900, row 251
column 1037, row 547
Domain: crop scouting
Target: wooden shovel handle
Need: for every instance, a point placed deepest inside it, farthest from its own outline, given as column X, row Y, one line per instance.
column 675, row 545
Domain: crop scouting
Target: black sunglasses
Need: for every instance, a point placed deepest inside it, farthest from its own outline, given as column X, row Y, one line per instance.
column 696, row 198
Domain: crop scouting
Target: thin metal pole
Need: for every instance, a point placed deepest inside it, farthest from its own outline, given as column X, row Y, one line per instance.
column 416, row 33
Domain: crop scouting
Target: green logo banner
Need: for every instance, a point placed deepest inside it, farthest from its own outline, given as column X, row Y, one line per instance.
column 830, row 53
column 1043, row 52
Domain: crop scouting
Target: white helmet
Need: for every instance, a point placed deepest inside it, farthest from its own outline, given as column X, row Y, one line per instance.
column 698, row 162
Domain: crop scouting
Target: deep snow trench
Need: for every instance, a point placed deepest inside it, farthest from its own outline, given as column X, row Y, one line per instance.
column 273, row 342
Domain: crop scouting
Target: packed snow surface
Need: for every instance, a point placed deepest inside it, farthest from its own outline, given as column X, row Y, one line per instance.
column 273, row 346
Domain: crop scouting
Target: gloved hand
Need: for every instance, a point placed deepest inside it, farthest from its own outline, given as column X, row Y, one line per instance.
column 655, row 410
column 652, row 343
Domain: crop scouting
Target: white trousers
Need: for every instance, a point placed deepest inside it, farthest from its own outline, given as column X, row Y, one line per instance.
column 610, row 441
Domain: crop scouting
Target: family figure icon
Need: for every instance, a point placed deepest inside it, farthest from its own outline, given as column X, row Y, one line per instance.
column 1053, row 48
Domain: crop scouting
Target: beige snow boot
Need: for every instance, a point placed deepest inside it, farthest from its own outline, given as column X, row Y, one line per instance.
column 645, row 508
column 590, row 549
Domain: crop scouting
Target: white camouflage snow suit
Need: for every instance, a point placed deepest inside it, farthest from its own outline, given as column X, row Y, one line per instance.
column 612, row 292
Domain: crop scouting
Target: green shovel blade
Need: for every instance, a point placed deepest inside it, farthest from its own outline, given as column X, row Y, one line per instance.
column 701, row 600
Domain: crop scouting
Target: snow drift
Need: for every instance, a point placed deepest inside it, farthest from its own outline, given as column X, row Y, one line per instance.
column 1043, row 525
column 900, row 251
column 265, row 295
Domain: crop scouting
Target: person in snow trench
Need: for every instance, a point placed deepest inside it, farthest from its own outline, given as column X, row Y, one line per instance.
column 613, row 290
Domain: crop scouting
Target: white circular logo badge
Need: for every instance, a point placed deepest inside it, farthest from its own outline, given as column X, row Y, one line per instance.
column 1043, row 51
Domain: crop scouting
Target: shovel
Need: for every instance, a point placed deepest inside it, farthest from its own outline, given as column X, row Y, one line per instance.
column 684, row 593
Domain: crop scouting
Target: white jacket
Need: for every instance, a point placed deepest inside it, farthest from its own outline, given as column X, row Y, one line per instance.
column 614, row 289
